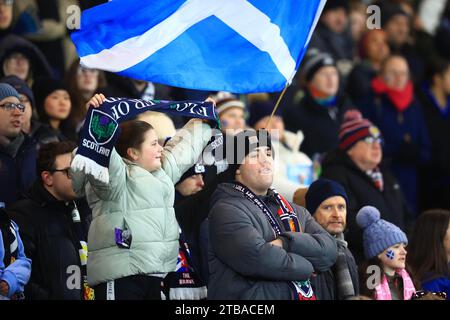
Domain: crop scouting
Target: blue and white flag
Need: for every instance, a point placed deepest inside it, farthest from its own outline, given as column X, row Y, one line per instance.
column 239, row 46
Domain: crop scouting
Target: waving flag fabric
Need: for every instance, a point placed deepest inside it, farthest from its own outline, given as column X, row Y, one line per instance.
column 240, row 46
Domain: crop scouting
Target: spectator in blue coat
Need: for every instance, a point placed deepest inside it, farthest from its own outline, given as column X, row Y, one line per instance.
column 393, row 108
column 15, row 267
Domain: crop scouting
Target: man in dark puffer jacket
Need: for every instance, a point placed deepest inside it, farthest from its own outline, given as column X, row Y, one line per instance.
column 260, row 246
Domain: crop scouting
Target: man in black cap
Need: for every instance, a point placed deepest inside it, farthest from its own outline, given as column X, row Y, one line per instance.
column 260, row 245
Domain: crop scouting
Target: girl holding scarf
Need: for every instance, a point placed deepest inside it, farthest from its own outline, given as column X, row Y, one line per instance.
column 133, row 237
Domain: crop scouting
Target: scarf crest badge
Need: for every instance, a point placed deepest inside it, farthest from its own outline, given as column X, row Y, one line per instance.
column 98, row 137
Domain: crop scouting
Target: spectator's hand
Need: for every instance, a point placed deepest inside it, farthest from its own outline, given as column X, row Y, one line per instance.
column 96, row 101
column 277, row 242
column 4, row 288
column 209, row 99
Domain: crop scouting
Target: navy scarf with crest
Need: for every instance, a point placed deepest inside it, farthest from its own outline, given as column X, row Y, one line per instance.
column 101, row 128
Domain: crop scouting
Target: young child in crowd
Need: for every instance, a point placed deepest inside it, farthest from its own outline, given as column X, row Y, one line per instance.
column 384, row 247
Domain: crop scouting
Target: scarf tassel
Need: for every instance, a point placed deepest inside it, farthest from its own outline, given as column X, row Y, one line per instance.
column 188, row 293
column 83, row 164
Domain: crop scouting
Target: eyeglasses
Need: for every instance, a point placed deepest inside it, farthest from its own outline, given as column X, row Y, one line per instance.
column 11, row 106
column 66, row 171
column 372, row 140
column 419, row 294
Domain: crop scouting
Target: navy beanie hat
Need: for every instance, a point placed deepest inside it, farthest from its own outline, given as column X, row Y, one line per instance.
column 7, row 90
column 320, row 190
column 378, row 234
column 237, row 147
column 260, row 109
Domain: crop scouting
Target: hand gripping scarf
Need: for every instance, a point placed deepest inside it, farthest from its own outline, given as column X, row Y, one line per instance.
column 101, row 129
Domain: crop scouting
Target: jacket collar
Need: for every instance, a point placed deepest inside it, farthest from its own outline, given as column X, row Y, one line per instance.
column 45, row 199
column 340, row 157
column 12, row 148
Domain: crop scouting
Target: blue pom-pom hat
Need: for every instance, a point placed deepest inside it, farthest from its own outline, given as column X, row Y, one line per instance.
column 378, row 234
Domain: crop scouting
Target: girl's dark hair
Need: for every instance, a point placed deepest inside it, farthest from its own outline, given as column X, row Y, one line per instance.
column 427, row 257
column 132, row 135
column 436, row 67
column 47, row 155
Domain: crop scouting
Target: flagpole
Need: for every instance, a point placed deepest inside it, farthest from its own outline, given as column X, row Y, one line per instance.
column 277, row 104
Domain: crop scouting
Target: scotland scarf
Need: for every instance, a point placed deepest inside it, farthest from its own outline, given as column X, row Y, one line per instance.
column 101, row 129
column 184, row 283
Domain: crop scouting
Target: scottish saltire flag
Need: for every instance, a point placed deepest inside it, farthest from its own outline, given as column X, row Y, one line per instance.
column 240, row 46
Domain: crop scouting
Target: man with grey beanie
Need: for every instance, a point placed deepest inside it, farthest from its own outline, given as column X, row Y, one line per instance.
column 17, row 150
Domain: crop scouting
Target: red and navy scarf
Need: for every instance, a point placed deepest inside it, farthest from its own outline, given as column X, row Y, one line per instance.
column 184, row 283
column 377, row 178
column 289, row 220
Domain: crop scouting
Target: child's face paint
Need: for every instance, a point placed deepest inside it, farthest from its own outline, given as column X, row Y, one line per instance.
column 390, row 254
column 394, row 257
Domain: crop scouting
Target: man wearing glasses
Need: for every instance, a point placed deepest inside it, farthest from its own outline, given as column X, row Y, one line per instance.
column 17, row 150
column 357, row 165
column 54, row 225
